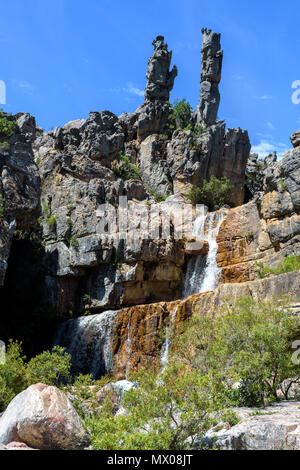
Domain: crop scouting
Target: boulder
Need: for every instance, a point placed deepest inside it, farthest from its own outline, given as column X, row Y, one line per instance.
column 275, row 427
column 43, row 417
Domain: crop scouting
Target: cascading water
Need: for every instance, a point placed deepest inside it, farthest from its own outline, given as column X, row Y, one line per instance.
column 164, row 355
column 89, row 340
column 202, row 272
column 128, row 348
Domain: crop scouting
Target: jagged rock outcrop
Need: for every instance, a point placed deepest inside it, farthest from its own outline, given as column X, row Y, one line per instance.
column 152, row 116
column 211, row 59
column 216, row 152
column 295, row 139
column 160, row 79
column 19, row 183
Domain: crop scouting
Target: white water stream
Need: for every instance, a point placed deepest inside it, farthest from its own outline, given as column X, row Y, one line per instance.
column 202, row 272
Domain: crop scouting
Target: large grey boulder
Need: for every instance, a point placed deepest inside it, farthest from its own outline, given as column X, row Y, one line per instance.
column 43, row 418
column 275, row 427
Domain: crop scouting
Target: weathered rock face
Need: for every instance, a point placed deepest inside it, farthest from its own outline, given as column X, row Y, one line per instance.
column 19, row 184
column 267, row 231
column 134, row 340
column 216, row 152
column 295, row 139
column 154, row 165
column 281, row 202
column 43, row 418
column 160, row 79
column 211, row 59
column 92, row 270
column 277, row 428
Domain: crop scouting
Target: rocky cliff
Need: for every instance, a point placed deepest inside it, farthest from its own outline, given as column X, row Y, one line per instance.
column 64, row 251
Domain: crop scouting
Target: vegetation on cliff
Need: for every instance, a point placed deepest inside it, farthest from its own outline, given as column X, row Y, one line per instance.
column 290, row 263
column 213, row 193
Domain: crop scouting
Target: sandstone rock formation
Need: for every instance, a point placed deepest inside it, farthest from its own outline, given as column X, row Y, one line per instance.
column 43, row 418
column 132, row 338
column 211, row 58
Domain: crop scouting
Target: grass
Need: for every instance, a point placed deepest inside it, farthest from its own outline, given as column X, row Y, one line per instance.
column 290, row 264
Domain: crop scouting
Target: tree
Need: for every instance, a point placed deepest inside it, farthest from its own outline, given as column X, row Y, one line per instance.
column 50, row 367
column 248, row 344
column 181, row 114
column 13, row 374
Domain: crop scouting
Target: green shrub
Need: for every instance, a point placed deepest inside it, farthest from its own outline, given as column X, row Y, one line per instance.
column 194, row 146
column 290, row 263
column 124, row 169
column 74, row 241
column 50, row 367
column 158, row 197
column 13, row 374
column 282, row 185
column 7, row 126
column 181, row 114
column 51, row 221
column 249, row 236
column 5, row 145
column 247, row 344
column 213, row 193
column 162, row 413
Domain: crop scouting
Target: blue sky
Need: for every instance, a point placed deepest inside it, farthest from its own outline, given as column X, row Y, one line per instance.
column 61, row 59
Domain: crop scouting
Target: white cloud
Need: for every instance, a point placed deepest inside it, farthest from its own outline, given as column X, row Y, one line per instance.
column 266, row 97
column 270, row 125
column 264, row 148
column 133, row 90
column 238, row 77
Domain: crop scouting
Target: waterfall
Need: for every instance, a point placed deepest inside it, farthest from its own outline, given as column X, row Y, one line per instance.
column 89, row 341
column 164, row 356
column 202, row 272
column 128, row 348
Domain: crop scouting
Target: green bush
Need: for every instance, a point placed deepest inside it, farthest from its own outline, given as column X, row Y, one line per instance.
column 50, row 367
column 181, row 115
column 7, row 126
column 124, row 169
column 162, row 413
column 13, row 374
column 5, row 145
column 213, row 193
column 248, row 344
column 290, row 263
column 158, row 197
column 74, row 241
